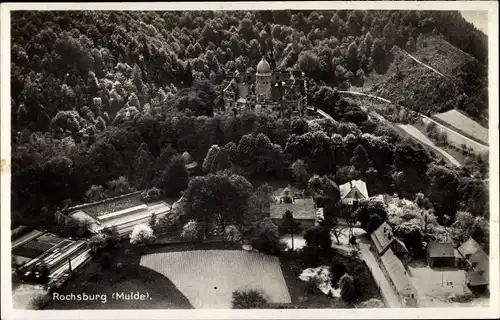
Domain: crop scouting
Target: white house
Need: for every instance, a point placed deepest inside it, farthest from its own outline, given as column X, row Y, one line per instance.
column 353, row 191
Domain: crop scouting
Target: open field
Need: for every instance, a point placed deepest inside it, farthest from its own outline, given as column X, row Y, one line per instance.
column 457, row 121
column 414, row 132
column 436, row 285
column 451, row 150
column 456, row 138
column 209, row 277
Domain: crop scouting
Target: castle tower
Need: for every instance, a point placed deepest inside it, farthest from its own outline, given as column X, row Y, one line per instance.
column 263, row 80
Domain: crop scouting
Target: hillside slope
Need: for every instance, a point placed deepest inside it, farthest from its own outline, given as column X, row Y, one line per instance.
column 459, row 81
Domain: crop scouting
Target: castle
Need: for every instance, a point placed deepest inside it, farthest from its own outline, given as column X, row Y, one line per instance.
column 267, row 90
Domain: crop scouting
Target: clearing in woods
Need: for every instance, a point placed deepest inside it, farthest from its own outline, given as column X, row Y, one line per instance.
column 463, row 124
column 208, row 277
column 423, row 138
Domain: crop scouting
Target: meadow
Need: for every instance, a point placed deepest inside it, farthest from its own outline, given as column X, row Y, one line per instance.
column 457, row 121
column 208, row 277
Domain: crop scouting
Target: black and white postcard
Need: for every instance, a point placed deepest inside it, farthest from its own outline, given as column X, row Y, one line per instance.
column 250, row 160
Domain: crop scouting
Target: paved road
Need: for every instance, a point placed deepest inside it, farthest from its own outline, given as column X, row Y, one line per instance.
column 387, row 291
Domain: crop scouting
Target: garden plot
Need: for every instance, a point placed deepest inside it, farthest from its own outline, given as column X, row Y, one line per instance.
column 322, row 276
column 208, row 277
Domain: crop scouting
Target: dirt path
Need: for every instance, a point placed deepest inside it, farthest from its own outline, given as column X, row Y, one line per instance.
column 480, row 145
column 414, row 132
column 424, row 118
column 425, row 65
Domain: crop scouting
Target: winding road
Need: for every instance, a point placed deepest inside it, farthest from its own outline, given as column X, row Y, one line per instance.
column 426, row 119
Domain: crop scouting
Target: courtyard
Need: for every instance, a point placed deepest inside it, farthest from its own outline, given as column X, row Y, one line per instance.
column 435, row 286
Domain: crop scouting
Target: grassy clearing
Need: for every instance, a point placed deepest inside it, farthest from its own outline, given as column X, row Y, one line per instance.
column 457, row 121
column 451, row 150
column 458, row 140
column 414, row 132
column 209, row 277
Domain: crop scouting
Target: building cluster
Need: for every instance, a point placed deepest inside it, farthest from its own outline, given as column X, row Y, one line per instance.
column 469, row 255
column 268, row 90
column 35, row 250
column 309, row 209
column 391, row 254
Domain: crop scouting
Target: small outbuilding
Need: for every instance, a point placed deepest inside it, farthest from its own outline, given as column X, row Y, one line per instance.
column 440, row 254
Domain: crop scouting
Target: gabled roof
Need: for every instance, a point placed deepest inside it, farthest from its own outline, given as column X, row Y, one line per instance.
column 231, row 86
column 348, row 188
column 479, row 261
column 302, row 209
column 469, row 247
column 382, row 237
column 397, row 273
column 441, row 250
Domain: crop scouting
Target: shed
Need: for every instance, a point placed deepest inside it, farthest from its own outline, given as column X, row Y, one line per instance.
column 441, row 254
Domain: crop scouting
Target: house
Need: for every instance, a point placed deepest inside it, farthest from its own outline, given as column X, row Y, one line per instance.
column 353, row 192
column 477, row 264
column 303, row 208
column 478, row 274
column 383, row 239
column 440, row 254
column 396, row 272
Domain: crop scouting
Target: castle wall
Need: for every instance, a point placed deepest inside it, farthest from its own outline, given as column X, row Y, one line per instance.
column 243, row 90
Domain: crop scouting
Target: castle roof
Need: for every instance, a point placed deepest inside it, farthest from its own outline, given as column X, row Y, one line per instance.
column 263, row 66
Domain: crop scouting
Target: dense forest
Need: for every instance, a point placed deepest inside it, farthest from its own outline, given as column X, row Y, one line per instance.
column 101, row 100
